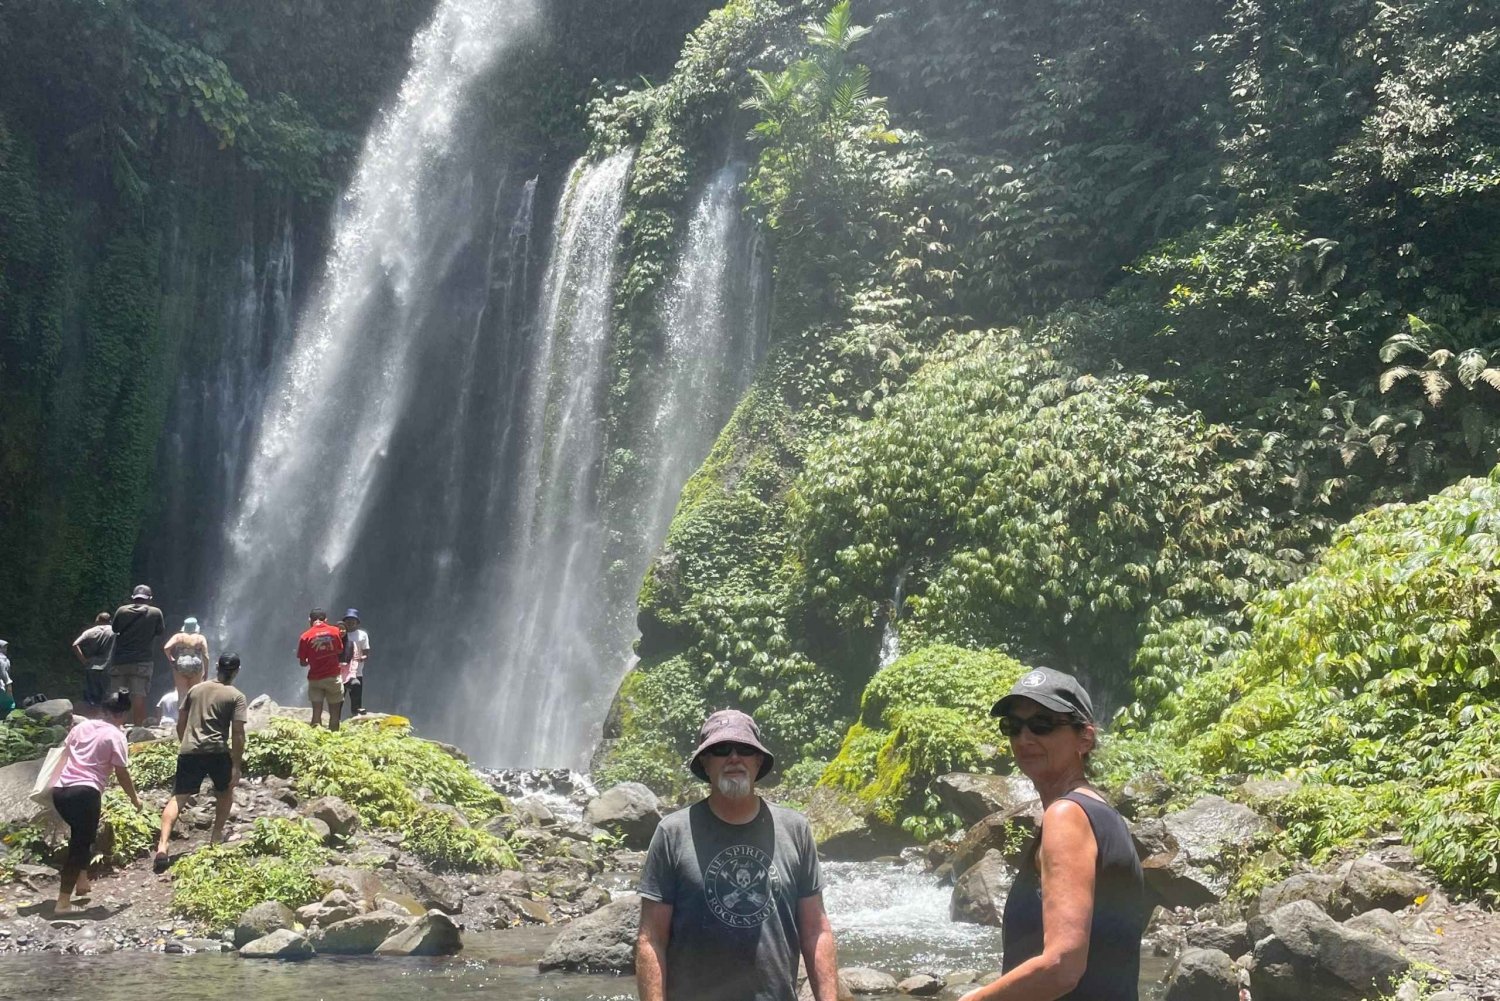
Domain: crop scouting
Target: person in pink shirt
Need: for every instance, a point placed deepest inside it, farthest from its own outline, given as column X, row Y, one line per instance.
column 96, row 747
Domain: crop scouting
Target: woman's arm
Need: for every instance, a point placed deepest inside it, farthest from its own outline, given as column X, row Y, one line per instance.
column 123, row 774
column 1068, row 856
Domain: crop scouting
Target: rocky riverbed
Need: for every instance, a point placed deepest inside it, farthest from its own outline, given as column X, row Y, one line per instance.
column 913, row 920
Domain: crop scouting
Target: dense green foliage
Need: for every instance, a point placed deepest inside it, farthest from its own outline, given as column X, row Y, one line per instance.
column 923, row 715
column 23, row 738
column 277, row 861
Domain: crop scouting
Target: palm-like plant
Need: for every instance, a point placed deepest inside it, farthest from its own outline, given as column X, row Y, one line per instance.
column 1443, row 370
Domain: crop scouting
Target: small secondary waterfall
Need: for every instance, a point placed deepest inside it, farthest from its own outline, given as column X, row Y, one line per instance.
column 372, row 366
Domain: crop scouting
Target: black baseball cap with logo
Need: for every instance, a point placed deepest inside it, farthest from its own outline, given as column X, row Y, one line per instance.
column 1057, row 691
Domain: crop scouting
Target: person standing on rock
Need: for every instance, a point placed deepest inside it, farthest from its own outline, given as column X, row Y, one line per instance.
column 318, row 650
column 356, row 652
column 188, row 653
column 7, row 690
column 731, row 891
column 1075, row 914
column 136, row 626
column 211, row 728
column 96, row 747
column 93, row 648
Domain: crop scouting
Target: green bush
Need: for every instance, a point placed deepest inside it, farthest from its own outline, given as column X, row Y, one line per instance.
column 278, row 861
column 23, row 738
column 153, row 765
column 438, row 839
column 922, row 716
column 134, row 831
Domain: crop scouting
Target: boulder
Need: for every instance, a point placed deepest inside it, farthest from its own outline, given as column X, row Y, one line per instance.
column 1302, row 953
column 1317, row 887
column 261, row 920
column 53, row 712
column 319, row 830
column 341, row 818
column 863, row 980
column 1143, row 793
column 1203, row 975
column 335, row 907
column 1368, row 884
column 282, row 944
column 502, row 825
column 974, row 797
column 1183, row 853
column 359, row 935
column 16, row 807
column 1231, row 939
column 601, row 941
column 630, row 810
column 1380, row 922
column 432, row 934
column 1007, row 832
column 841, row 989
column 845, row 833
column 432, row 892
column 921, row 985
column 1256, row 793
column 979, row 895
column 534, row 813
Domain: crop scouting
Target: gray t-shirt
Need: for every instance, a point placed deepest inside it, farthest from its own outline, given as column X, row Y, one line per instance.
column 734, row 890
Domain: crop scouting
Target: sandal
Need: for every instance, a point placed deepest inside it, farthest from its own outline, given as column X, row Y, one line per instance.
column 160, row 862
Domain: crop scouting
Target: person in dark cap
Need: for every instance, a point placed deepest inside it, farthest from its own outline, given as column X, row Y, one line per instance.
column 731, row 892
column 136, row 626
column 1075, row 914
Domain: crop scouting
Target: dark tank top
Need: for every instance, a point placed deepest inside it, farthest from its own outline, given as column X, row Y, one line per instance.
column 1113, row 972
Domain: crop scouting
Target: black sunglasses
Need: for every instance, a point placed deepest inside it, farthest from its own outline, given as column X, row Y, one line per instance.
column 725, row 750
column 1040, row 725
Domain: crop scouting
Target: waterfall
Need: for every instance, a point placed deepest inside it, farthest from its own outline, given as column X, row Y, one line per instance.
column 890, row 639
column 356, row 401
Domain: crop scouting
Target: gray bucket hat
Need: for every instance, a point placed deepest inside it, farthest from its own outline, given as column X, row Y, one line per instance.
column 730, row 726
column 1057, row 691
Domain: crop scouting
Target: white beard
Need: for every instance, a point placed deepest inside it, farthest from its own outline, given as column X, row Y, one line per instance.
column 735, row 786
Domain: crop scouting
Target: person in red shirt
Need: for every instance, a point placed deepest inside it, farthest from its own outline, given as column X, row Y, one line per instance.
column 318, row 650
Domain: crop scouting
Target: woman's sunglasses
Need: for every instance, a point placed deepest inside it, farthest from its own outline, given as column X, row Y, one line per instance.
column 1040, row 725
column 725, row 750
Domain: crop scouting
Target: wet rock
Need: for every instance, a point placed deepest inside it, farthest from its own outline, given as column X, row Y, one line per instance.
column 359, row 935
column 204, row 945
column 283, row 944
column 1203, row 975
column 1368, row 884
column 1183, row 853
column 1318, row 888
column 1300, row 953
column 979, row 895
column 341, row 818
column 533, row 812
column 601, row 941
column 262, row 920
column 1233, row 940
column 1007, row 832
column 630, row 810
column 432, row 892
column 959, row 978
column 841, row 989
column 921, row 985
column 974, row 797
column 432, row 934
column 843, row 831
column 530, row 910
column 53, row 712
column 863, row 980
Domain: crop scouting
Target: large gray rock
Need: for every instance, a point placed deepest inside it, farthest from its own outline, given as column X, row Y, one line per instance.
column 359, row 935
column 1203, row 975
column 974, row 797
column 261, row 920
column 979, row 895
column 1302, row 953
column 341, row 818
column 863, row 980
column 1183, row 853
column 603, row 940
column 432, row 891
column 53, row 712
column 1317, row 887
column 1142, row 794
column 432, row 934
column 1007, row 832
column 629, row 809
column 282, row 944
column 1233, row 939
column 16, row 807
column 1380, row 922
column 845, row 832
column 921, row 985
column 1368, row 885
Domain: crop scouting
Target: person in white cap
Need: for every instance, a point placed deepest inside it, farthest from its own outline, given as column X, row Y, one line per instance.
column 136, row 626
column 731, row 891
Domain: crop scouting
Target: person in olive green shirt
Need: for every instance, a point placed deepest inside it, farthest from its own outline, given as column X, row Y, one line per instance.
column 211, row 727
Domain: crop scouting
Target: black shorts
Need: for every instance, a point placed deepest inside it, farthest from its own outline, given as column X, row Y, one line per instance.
column 192, row 769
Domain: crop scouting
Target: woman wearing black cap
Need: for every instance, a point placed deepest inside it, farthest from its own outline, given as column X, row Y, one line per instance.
column 1077, row 909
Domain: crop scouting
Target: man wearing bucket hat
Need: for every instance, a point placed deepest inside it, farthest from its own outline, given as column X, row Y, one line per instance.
column 731, row 892
column 136, row 626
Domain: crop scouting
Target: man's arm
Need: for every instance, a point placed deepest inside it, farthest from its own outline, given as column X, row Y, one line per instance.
column 651, row 950
column 237, row 751
column 818, row 951
column 182, row 711
column 78, row 650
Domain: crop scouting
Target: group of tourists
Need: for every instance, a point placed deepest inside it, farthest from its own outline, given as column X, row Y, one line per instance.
column 209, row 717
column 731, row 891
